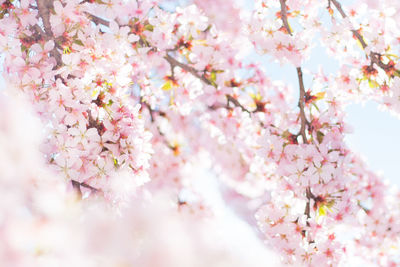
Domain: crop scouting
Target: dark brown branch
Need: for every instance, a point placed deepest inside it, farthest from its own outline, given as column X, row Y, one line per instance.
column 152, row 118
column 366, row 210
column 233, row 100
column 39, row 30
column 343, row 14
column 303, row 119
column 44, row 7
column 152, row 111
column 187, row 68
column 375, row 57
column 77, row 186
column 95, row 123
column 173, row 62
column 360, row 38
column 216, row 106
column 97, row 20
column 284, row 16
column 309, row 196
column 95, row 190
column 85, row 1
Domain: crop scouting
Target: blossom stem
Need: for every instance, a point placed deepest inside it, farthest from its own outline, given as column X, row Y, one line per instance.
column 77, row 186
column 375, row 57
column 303, row 118
column 187, row 68
column 44, row 7
column 97, row 20
column 284, row 16
column 175, row 63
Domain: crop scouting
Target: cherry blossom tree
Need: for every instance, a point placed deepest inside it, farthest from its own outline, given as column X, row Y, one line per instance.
column 129, row 99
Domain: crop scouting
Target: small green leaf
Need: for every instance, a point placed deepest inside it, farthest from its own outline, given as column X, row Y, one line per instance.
column 78, row 42
column 149, row 27
column 286, row 134
column 322, row 210
column 373, row 84
column 315, row 106
column 66, row 50
column 290, row 28
column 213, row 78
column 95, row 92
column 320, row 137
column 167, row 86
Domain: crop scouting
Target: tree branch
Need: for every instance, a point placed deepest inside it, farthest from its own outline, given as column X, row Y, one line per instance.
column 187, row 68
column 233, row 100
column 173, row 62
column 95, row 190
column 97, row 20
column 77, row 186
column 284, row 16
column 356, row 33
column 303, row 119
column 375, row 57
column 309, row 196
column 44, row 7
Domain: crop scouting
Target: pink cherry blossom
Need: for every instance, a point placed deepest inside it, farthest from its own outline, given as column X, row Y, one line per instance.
column 137, row 99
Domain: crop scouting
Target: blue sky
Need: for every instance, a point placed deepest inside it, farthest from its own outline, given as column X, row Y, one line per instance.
column 376, row 133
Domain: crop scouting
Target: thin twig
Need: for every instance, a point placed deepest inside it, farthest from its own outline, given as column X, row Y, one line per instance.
column 97, row 20
column 356, row 33
column 303, row 119
column 95, row 190
column 309, row 196
column 77, row 186
column 187, row 68
column 233, row 100
column 375, row 57
column 44, row 7
column 152, row 118
column 230, row 99
column 284, row 16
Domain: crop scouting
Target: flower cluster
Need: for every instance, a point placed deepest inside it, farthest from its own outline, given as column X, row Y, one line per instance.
column 132, row 95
